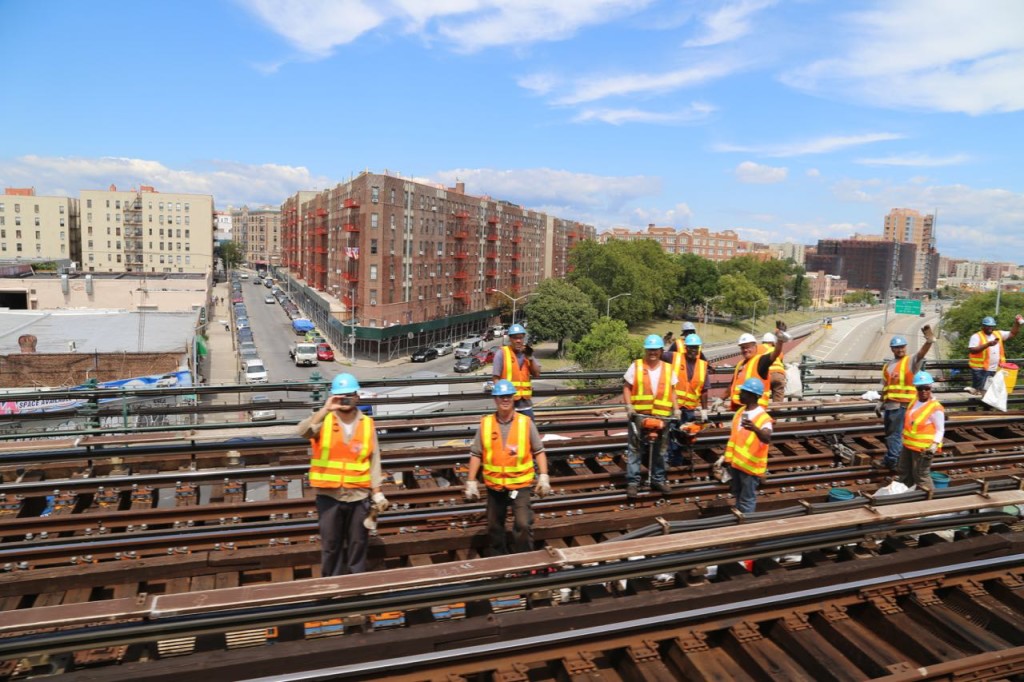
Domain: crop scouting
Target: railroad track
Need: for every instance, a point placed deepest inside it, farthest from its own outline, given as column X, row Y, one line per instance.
column 848, row 582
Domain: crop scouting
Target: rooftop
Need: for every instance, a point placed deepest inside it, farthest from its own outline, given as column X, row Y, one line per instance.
column 98, row 331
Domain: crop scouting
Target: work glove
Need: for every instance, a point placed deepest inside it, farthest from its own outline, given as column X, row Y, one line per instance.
column 472, row 491
column 930, row 450
column 929, row 334
column 380, row 503
column 630, row 412
column 543, row 485
column 677, row 416
column 702, row 416
column 528, row 351
column 721, row 472
column 878, row 410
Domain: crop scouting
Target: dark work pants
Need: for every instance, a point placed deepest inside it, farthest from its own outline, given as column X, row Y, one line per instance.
column 343, row 538
column 498, row 504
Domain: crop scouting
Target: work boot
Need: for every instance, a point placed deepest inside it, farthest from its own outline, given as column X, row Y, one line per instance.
column 631, row 491
column 661, row 487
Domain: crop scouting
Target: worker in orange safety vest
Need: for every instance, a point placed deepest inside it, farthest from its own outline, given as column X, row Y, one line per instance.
column 924, row 427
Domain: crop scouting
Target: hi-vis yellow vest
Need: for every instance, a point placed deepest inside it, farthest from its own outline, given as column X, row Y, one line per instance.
column 981, row 360
column 507, row 465
column 899, row 385
column 918, row 432
column 749, row 371
column 519, row 376
column 688, row 389
column 745, row 451
column 653, row 400
column 337, row 464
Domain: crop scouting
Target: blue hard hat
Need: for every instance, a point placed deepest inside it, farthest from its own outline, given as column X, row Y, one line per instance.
column 516, row 329
column 343, row 384
column 752, row 385
column 503, row 387
column 897, row 341
column 692, row 340
column 988, row 321
column 654, row 342
column 923, row 379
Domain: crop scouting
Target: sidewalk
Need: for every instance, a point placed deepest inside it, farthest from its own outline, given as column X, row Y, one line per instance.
column 223, row 360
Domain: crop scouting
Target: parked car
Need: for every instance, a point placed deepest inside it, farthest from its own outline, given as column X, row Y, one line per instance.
column 257, row 281
column 255, row 372
column 470, row 363
column 444, row 348
column 248, row 354
column 486, row 355
column 237, row 298
column 246, row 345
column 258, row 411
column 424, row 354
column 269, row 299
column 324, row 352
column 244, row 275
column 245, row 334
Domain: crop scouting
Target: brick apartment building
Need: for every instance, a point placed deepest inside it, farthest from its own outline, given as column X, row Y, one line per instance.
column 716, row 246
column 874, row 265
column 258, row 232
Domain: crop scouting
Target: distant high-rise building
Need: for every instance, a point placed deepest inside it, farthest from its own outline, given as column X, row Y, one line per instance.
column 145, row 230
column 874, row 265
column 791, row 251
column 38, row 228
column 908, row 225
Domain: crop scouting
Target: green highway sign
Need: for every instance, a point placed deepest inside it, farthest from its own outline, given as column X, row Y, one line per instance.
column 907, row 306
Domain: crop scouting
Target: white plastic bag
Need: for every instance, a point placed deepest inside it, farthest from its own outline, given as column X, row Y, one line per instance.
column 894, row 488
column 995, row 395
column 794, row 387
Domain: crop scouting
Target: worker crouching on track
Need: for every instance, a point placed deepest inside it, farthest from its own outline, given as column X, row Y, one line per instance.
column 747, row 451
column 344, row 471
column 507, row 445
column 924, row 426
column 648, row 391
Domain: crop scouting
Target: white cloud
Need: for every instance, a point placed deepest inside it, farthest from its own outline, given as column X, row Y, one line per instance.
column 533, row 187
column 755, row 173
column 230, row 183
column 728, row 23
column 678, row 216
column 813, row 173
column 317, row 27
column 538, row 83
column 941, row 55
column 593, row 88
column 922, row 160
column 821, row 145
column 697, row 111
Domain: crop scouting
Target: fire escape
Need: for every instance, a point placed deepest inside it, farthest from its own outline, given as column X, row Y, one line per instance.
column 318, row 249
column 133, row 258
column 289, row 239
column 515, row 273
column 461, row 273
column 350, row 244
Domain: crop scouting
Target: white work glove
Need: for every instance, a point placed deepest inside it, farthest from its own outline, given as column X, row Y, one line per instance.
column 719, row 470
column 782, row 335
column 702, row 416
column 543, row 485
column 930, row 450
column 472, row 491
column 630, row 412
column 380, row 503
column 677, row 416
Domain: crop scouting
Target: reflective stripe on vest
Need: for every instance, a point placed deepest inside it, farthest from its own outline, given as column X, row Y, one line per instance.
column 980, row 360
column 337, row 464
column 745, row 451
column 899, row 386
column 507, row 465
column 918, row 431
column 776, row 366
column 519, row 376
column 644, row 400
column 749, row 371
column 688, row 390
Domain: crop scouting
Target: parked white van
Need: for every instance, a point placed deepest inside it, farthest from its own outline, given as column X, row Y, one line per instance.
column 469, row 346
column 255, row 372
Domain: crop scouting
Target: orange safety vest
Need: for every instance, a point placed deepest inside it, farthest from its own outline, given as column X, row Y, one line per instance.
column 519, row 376
column 745, row 451
column 688, row 389
column 507, row 465
column 337, row 464
column 655, row 402
column 749, row 371
column 899, row 386
column 980, row 360
column 776, row 366
column 918, row 431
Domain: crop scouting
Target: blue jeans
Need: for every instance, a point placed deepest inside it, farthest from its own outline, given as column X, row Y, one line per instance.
column 636, row 452
column 979, row 377
column 675, row 450
column 743, row 487
column 893, row 420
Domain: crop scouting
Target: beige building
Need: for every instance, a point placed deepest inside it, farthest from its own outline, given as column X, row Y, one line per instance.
column 145, row 230
column 826, row 290
column 789, row 250
column 171, row 293
column 701, row 241
column 258, row 232
column 38, row 228
column 909, row 226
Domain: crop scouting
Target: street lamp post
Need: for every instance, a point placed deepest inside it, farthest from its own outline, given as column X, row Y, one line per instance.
column 753, row 319
column 608, row 303
column 707, row 306
column 514, row 300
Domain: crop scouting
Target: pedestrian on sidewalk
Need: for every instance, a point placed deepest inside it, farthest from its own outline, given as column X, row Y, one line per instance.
column 898, row 392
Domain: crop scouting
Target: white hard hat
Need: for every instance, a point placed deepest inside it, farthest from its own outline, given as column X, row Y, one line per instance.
column 746, row 338
column 769, row 338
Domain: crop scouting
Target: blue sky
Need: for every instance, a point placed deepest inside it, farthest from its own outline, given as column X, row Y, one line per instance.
column 785, row 121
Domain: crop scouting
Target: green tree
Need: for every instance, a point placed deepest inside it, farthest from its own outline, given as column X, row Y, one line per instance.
column 697, row 281
column 559, row 311
column 855, row 297
column 231, row 254
column 640, row 268
column 740, row 295
column 964, row 319
column 608, row 345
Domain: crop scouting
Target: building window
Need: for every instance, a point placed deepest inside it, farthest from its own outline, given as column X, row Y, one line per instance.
column 62, row 209
column 186, row 217
column 17, row 246
column 17, row 234
column 373, row 273
column 37, row 221
column 38, row 236
column 375, row 194
column 374, row 217
column 17, row 208
column 186, row 207
column 17, row 220
column 373, row 246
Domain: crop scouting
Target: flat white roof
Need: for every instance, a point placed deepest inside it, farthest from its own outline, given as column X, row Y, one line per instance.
column 98, row 331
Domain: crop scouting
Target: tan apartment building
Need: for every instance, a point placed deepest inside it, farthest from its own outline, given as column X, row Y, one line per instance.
column 826, row 290
column 393, row 252
column 717, row 246
column 38, row 228
column 258, row 232
column 909, row 226
column 145, row 230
